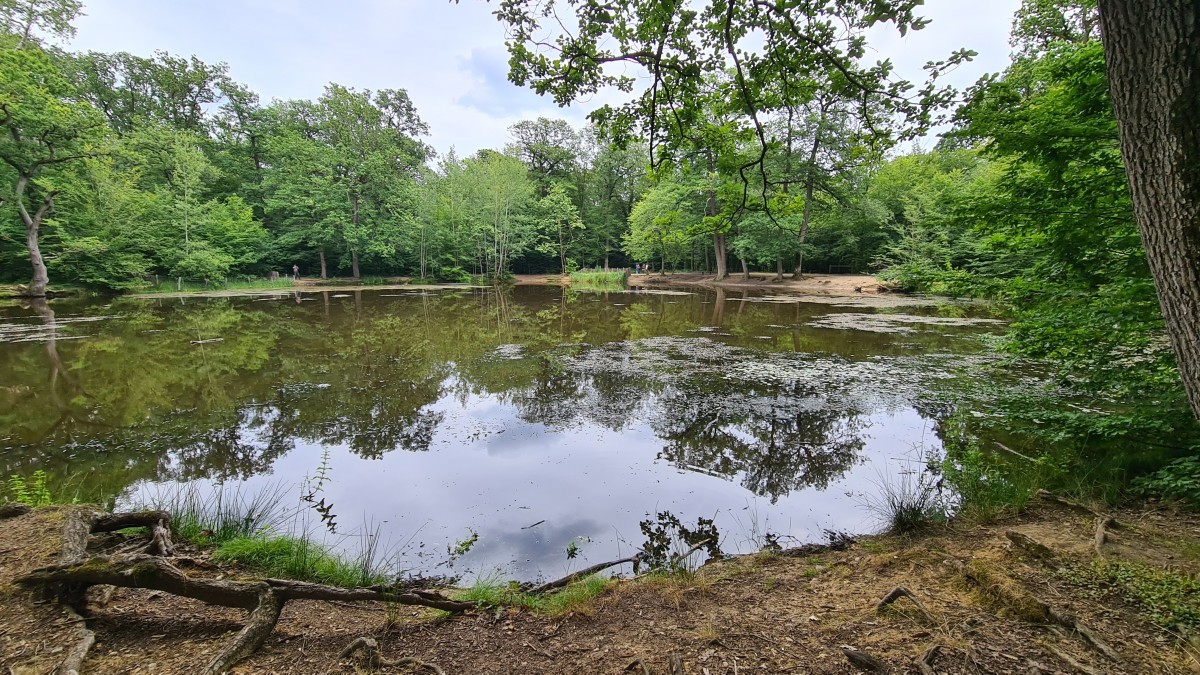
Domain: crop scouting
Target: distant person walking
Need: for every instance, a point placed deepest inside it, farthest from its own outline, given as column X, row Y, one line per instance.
column 296, row 272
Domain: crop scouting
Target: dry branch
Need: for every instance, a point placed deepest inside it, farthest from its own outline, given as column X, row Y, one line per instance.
column 902, row 592
column 638, row 664
column 864, row 661
column 375, row 661
column 581, row 574
column 1051, row 497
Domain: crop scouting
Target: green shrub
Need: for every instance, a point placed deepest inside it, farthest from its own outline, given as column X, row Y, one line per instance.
column 1178, row 480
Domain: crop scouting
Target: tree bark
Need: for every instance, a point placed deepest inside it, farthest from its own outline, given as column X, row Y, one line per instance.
column 321, row 251
column 1153, row 52
column 354, row 264
column 745, row 269
column 719, row 256
column 33, row 224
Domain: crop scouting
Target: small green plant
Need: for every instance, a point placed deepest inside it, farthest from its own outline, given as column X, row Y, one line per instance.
column 33, row 491
column 461, row 547
column 669, row 543
column 492, row 592
column 1170, row 599
column 1178, row 480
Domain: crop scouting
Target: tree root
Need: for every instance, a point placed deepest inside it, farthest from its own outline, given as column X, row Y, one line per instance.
column 1069, row 660
column 902, row 592
column 77, row 571
column 864, row 661
column 1013, row 596
column 1101, row 533
column 72, row 663
column 13, row 510
column 638, row 664
column 925, row 663
column 375, row 661
column 1030, row 546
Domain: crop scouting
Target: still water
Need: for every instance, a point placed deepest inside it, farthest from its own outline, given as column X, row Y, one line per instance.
column 533, row 417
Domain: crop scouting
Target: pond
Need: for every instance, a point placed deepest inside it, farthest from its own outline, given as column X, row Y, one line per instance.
column 537, row 418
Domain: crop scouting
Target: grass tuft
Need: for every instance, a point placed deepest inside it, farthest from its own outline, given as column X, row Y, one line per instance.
column 297, row 558
column 907, row 503
column 575, row 598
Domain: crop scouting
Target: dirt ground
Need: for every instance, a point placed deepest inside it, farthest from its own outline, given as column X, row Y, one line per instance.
column 753, row 614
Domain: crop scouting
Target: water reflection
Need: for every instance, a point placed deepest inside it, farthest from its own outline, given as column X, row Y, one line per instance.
column 478, row 408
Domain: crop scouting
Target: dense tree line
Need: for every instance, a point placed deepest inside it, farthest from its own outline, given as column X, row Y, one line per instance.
column 118, row 169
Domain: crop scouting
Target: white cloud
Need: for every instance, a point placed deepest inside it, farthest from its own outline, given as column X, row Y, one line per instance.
column 449, row 57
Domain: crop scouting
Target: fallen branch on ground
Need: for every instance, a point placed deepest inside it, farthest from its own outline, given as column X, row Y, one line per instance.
column 1029, row 545
column 1048, row 496
column 582, row 574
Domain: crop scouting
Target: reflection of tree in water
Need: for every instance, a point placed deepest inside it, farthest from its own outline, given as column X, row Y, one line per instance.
column 778, row 442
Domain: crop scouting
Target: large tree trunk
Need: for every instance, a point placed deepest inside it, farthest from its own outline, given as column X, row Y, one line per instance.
column 33, row 225
column 719, row 255
column 354, row 264
column 745, row 269
column 1153, row 53
column 321, row 251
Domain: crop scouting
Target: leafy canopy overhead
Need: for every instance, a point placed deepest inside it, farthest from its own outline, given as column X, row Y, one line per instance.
column 780, row 54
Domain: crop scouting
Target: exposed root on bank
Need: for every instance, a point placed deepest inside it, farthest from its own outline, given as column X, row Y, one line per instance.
column 902, row 592
column 582, row 574
column 77, row 571
column 13, row 510
column 1100, row 536
column 864, row 661
column 374, row 661
column 1010, row 594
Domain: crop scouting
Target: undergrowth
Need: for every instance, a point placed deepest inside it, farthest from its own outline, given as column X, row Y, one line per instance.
column 1170, row 599
column 614, row 279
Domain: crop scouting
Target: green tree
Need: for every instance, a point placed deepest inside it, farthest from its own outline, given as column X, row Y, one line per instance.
column 43, row 128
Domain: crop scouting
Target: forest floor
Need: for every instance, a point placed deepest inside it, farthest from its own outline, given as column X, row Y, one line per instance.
column 992, row 607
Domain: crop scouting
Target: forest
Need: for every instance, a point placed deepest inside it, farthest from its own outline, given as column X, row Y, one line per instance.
column 124, row 172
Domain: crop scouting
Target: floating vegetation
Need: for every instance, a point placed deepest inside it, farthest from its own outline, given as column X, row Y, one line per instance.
column 892, row 323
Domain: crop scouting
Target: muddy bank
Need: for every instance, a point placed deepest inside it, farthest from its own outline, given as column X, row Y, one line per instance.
column 761, row 613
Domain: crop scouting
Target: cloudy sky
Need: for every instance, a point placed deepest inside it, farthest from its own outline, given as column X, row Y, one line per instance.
column 450, row 57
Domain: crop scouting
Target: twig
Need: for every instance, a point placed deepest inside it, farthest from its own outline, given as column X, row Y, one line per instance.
column 543, row 652
column 1051, row 497
column 638, row 664
column 586, row 572
column 375, row 661
column 204, row 342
